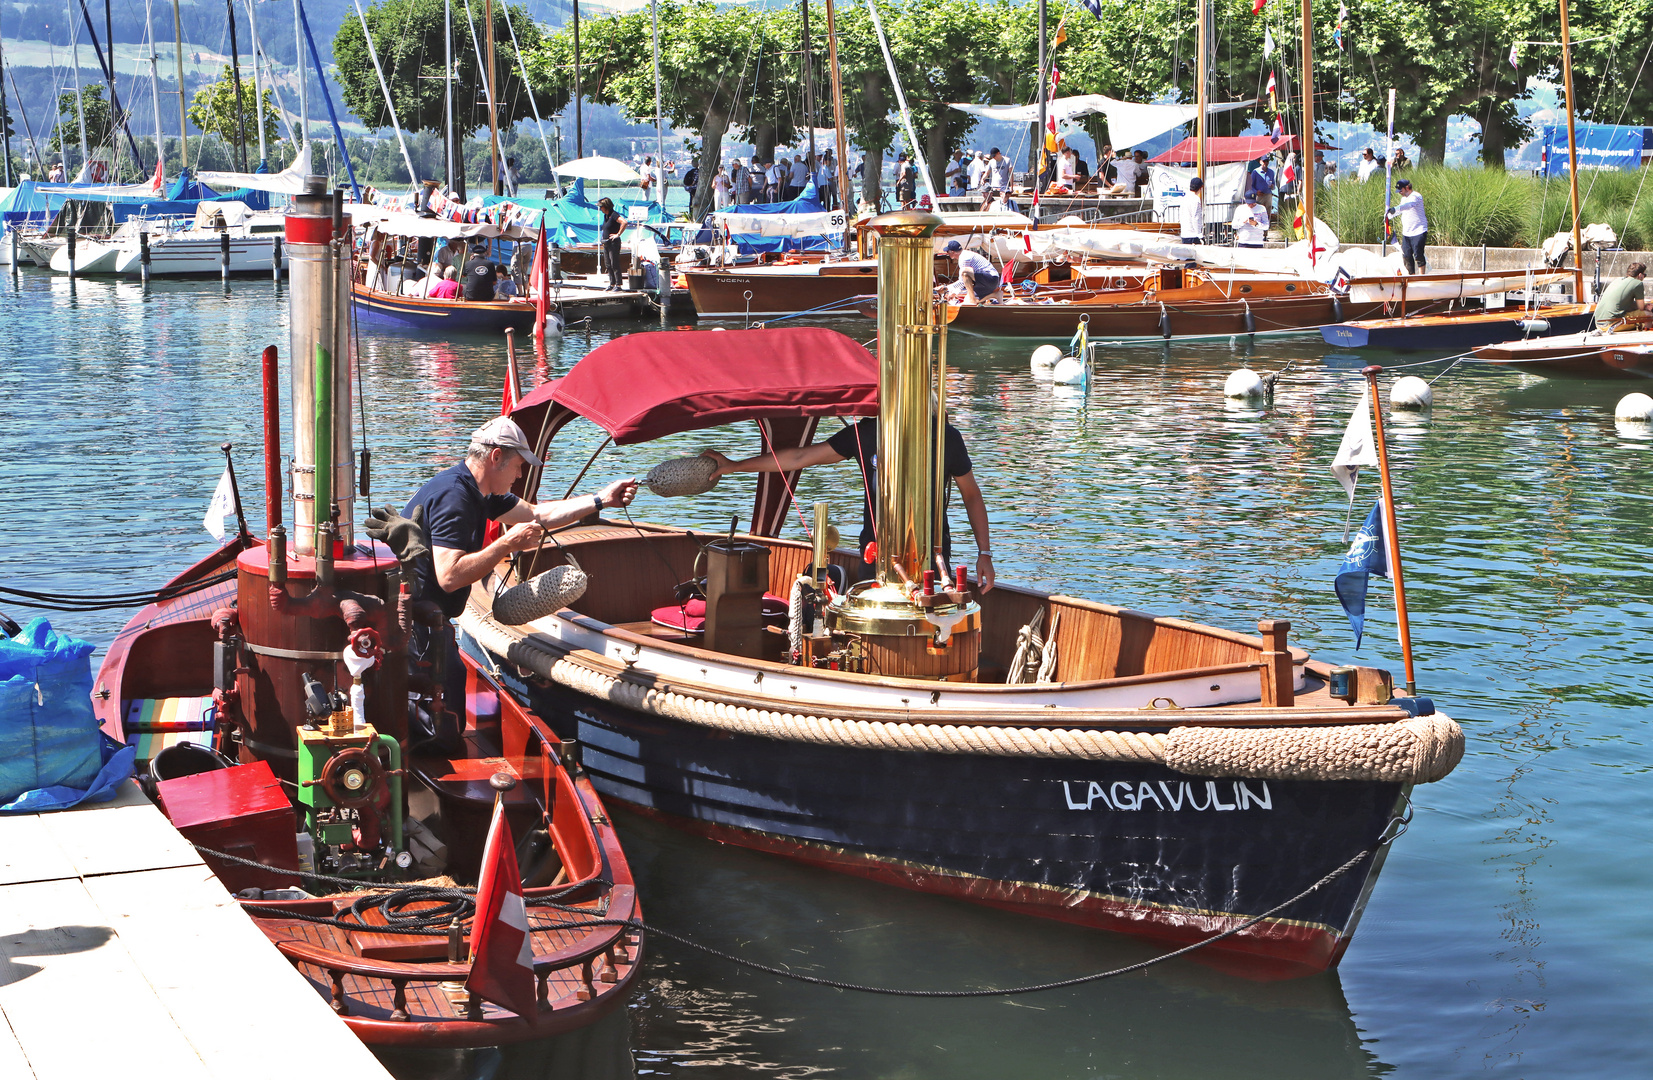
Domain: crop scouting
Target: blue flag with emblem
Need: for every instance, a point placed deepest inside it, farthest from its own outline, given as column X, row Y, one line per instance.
column 1092, row 6
column 1366, row 556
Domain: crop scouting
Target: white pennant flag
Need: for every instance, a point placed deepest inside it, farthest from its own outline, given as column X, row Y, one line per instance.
column 1357, row 446
column 1268, row 43
column 222, row 504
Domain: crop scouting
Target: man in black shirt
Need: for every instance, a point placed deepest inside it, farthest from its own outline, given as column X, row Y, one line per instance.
column 860, row 441
column 613, row 227
column 457, row 504
column 480, row 275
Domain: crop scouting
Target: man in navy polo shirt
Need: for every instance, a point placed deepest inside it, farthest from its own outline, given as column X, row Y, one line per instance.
column 457, row 504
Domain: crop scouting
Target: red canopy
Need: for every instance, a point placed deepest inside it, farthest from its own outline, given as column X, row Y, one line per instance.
column 1227, row 148
column 646, row 385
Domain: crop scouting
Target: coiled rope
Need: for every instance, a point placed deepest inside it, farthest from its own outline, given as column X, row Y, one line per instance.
column 839, row 984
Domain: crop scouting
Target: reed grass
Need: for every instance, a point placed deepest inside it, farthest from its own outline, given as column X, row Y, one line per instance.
column 1474, row 206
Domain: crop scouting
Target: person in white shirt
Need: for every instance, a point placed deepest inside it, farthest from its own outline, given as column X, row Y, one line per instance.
column 981, row 280
column 1067, row 169
column 720, row 189
column 799, row 177
column 1368, row 165
column 1414, row 227
column 1129, row 174
column 1193, row 213
column 950, row 174
column 998, row 171
column 977, row 169
column 1250, row 222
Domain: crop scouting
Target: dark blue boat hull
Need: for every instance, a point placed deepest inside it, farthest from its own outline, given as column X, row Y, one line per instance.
column 1444, row 336
column 1128, row 847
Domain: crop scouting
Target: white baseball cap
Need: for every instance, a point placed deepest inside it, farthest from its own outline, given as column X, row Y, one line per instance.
column 504, row 433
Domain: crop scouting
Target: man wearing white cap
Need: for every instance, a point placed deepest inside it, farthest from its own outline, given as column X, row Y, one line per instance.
column 455, row 506
column 458, row 503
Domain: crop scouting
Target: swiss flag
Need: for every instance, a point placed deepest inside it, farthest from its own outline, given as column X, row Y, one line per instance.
column 502, row 959
column 493, row 530
column 539, row 284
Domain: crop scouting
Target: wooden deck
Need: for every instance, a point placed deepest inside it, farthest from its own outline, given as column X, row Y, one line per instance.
column 124, row 956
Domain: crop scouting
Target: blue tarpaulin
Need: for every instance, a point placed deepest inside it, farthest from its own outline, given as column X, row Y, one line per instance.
column 52, row 755
column 33, row 206
column 807, row 202
column 1600, row 146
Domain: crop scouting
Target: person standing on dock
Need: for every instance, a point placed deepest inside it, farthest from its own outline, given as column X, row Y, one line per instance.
column 1621, row 303
column 1193, row 213
column 1250, row 222
column 613, row 225
column 455, row 506
column 860, row 441
column 1414, row 227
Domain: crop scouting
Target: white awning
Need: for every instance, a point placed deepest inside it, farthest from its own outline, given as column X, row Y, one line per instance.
column 402, row 223
column 1129, row 122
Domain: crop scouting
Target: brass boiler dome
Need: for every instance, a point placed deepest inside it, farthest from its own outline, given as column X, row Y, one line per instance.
column 906, row 627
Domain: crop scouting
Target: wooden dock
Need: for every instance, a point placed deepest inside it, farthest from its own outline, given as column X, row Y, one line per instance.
column 121, row 955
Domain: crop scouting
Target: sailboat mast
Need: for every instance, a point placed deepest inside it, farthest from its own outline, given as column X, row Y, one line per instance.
column 838, row 119
column 809, row 87
column 154, row 86
column 579, row 127
column 659, row 128
column 493, row 110
column 183, row 114
column 5, row 135
column 303, row 83
column 447, row 91
column 80, row 107
column 1572, row 143
column 1039, row 136
column 235, row 77
column 258, row 86
column 1306, row 143
column 1202, row 93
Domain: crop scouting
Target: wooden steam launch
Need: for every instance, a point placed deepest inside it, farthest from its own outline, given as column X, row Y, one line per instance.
column 269, row 695
column 1156, row 777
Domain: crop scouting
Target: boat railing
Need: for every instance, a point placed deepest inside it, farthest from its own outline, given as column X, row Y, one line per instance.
column 597, row 956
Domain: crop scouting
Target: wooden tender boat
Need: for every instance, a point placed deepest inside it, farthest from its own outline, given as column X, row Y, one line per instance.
column 1591, row 354
column 1142, row 786
column 1467, row 321
column 318, row 806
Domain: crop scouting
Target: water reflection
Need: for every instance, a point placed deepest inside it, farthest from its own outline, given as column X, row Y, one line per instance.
column 1503, row 932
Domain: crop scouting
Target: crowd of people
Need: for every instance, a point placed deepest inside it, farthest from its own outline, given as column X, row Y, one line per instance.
column 446, row 270
column 748, row 181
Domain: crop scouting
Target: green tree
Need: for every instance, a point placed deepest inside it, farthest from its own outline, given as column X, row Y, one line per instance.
column 213, row 110
column 408, row 40
column 98, row 120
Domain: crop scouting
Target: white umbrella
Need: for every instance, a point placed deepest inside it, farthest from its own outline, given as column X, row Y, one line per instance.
column 598, row 167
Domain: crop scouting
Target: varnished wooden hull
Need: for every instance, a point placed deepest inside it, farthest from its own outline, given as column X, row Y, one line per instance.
column 1586, row 356
column 781, row 290
column 1151, row 319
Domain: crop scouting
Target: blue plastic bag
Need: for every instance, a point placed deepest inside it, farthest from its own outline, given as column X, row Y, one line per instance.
column 49, row 737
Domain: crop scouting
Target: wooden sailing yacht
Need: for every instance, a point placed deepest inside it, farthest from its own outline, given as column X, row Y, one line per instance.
column 1134, row 772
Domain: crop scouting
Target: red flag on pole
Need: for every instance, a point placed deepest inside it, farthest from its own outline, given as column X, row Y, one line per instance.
column 1257, row 8
column 159, row 183
column 502, row 958
column 539, row 284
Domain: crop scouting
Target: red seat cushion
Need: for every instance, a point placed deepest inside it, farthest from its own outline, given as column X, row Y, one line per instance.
column 689, row 616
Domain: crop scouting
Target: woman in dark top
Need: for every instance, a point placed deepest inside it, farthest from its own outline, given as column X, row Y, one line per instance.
column 613, row 226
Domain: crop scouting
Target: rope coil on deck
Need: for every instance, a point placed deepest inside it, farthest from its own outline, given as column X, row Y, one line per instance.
column 1415, row 751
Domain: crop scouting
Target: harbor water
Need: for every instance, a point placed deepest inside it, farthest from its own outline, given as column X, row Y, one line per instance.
column 1506, row 936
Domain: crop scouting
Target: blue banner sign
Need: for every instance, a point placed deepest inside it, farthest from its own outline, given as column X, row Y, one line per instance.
column 1600, row 146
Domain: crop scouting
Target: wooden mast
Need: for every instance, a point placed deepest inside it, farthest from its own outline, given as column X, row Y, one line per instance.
column 183, row 114
column 1203, row 24
column 1391, row 529
column 838, row 121
column 1307, row 138
column 493, row 108
column 1572, row 148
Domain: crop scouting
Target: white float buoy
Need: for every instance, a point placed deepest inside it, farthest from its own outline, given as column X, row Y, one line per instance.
column 1068, row 372
column 1634, row 407
column 1411, row 392
column 1044, row 359
column 1244, row 383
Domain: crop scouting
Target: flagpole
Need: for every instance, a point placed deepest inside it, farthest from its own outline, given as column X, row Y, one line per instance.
column 1307, row 201
column 1392, row 539
column 1388, row 170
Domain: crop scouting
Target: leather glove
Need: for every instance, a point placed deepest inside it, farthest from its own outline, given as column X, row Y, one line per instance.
column 405, row 536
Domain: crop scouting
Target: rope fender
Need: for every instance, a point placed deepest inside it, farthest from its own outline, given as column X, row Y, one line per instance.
column 1415, row 751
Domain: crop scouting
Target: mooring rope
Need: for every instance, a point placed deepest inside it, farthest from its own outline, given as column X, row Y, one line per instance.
column 408, row 927
column 110, row 601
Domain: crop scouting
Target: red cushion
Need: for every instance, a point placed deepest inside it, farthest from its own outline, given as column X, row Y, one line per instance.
column 689, row 616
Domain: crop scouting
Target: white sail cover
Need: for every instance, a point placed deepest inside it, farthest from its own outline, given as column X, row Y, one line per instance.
column 1129, row 122
column 289, row 181
column 826, row 223
column 1162, row 247
column 403, row 223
